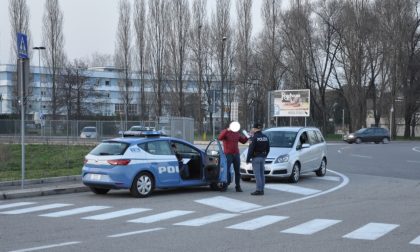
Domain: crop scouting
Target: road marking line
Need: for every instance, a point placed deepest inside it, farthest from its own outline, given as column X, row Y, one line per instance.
column 161, row 216
column 35, row 209
column 258, row 222
column 413, row 161
column 311, row 227
column 361, row 156
column 116, row 214
column 16, row 205
column 329, row 178
column 416, row 149
column 416, row 241
column 292, row 189
column 74, row 211
column 47, row 246
column 135, row 232
column 371, row 231
column 228, row 204
column 344, row 182
column 207, row 219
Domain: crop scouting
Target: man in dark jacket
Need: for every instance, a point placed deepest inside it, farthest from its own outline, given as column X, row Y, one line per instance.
column 257, row 152
column 230, row 146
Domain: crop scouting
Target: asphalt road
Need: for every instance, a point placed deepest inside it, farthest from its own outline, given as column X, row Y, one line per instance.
column 368, row 201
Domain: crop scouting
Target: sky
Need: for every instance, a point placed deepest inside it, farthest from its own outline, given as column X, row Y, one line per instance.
column 89, row 25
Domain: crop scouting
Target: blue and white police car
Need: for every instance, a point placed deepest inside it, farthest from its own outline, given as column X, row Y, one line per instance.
column 145, row 161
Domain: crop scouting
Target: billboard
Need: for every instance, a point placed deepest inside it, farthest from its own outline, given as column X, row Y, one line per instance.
column 292, row 103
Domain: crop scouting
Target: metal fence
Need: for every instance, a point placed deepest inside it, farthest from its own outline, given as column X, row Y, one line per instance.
column 69, row 131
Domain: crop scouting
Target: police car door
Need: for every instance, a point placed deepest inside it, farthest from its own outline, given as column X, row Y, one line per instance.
column 215, row 159
column 163, row 163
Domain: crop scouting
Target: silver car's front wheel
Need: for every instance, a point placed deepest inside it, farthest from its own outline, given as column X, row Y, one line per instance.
column 295, row 175
column 142, row 185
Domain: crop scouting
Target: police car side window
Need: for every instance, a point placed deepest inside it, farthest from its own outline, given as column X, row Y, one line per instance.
column 157, row 148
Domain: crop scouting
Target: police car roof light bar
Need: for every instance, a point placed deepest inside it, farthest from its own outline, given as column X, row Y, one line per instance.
column 148, row 133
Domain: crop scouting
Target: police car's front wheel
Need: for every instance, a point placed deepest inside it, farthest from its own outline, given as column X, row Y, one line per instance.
column 143, row 185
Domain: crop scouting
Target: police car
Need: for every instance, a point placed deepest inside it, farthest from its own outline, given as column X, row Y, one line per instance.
column 145, row 161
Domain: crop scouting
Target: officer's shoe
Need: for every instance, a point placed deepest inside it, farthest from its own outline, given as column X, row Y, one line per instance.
column 238, row 189
column 257, row 193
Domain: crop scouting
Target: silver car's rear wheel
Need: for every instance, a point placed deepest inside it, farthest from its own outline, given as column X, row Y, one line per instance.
column 322, row 168
column 385, row 140
column 143, row 185
column 295, row 176
column 358, row 140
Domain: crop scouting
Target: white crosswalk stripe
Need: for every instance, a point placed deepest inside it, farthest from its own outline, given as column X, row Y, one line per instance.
column 207, row 219
column 116, row 214
column 371, row 231
column 74, row 211
column 228, row 204
column 292, row 189
column 35, row 209
column 311, row 227
column 259, row 222
column 161, row 216
column 328, row 178
column 18, row 204
column 416, row 241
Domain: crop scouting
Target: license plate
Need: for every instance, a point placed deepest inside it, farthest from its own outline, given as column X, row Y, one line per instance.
column 95, row 176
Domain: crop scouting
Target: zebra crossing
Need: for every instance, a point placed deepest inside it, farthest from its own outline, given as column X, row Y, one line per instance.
column 370, row 231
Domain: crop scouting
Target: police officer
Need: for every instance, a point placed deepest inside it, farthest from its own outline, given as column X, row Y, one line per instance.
column 257, row 152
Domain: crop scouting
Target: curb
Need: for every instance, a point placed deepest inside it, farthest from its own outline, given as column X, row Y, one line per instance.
column 76, row 178
column 43, row 191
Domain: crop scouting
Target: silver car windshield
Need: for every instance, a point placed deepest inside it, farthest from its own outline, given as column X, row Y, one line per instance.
column 282, row 139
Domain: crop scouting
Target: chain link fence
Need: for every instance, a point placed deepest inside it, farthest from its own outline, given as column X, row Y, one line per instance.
column 73, row 131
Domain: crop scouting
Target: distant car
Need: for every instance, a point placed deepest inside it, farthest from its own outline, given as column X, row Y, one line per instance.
column 146, row 161
column 89, row 132
column 293, row 151
column 374, row 134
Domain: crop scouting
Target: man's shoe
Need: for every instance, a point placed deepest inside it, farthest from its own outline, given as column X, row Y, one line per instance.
column 238, row 189
column 257, row 193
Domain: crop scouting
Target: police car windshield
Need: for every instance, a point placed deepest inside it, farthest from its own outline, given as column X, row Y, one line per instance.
column 109, row 148
column 89, row 129
column 282, row 139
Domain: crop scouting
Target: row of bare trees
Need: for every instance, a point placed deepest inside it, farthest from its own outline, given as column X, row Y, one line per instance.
column 356, row 55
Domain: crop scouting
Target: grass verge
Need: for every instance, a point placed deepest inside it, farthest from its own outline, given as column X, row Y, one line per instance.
column 42, row 160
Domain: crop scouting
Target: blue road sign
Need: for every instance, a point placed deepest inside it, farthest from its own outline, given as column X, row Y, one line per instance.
column 22, row 46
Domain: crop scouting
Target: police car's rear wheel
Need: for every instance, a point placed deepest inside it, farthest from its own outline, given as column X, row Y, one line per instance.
column 143, row 185
column 99, row 190
column 219, row 186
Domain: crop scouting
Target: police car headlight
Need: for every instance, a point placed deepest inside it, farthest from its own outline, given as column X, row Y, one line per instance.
column 282, row 159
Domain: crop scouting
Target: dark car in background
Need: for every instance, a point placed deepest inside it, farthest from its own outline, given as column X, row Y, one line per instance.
column 374, row 134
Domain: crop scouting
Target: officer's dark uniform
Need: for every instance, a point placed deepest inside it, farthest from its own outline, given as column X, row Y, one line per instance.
column 257, row 152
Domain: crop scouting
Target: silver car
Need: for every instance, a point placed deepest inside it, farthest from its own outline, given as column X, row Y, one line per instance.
column 293, row 151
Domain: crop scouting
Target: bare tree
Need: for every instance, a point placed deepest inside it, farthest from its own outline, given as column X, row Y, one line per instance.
column 123, row 52
column 243, row 55
column 268, row 58
column 197, row 46
column 53, row 38
column 19, row 22
column 139, row 17
column 157, row 32
column 180, row 24
column 100, row 60
column 221, row 32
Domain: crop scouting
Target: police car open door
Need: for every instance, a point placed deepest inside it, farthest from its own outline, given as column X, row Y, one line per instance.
column 215, row 163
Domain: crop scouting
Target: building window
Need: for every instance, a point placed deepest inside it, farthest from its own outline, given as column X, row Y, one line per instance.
column 132, row 109
column 107, row 83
